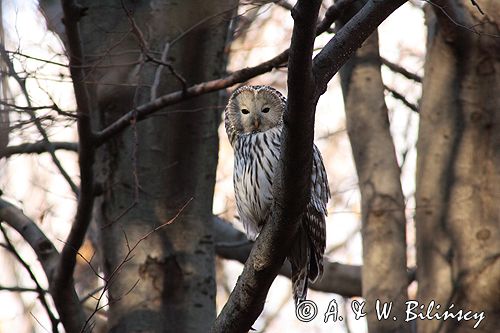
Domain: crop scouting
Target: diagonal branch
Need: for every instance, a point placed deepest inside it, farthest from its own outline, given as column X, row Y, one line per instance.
column 349, row 38
column 142, row 111
column 30, row 110
column 48, row 257
column 307, row 81
column 290, row 185
column 402, row 98
column 401, row 70
column 337, row 278
column 245, row 74
column 41, row 292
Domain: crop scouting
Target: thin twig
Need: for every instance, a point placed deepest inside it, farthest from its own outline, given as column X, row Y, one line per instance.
column 245, row 74
column 41, row 292
column 471, row 28
column 401, row 70
column 38, row 124
column 159, row 69
column 402, row 98
column 475, row 4
column 130, row 250
column 47, row 256
column 149, row 56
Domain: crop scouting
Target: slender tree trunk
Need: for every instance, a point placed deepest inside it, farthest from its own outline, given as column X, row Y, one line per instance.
column 458, row 169
column 384, row 274
column 4, row 113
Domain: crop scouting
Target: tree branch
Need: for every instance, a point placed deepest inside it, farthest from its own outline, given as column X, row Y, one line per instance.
column 49, row 147
column 291, row 183
column 62, row 286
column 401, row 70
column 245, row 74
column 41, row 292
column 402, row 98
column 348, row 39
column 306, row 82
column 36, row 148
column 337, row 278
column 48, row 257
column 142, row 111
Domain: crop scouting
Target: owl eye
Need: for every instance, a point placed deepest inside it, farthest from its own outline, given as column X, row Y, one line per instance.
column 265, row 110
column 245, row 111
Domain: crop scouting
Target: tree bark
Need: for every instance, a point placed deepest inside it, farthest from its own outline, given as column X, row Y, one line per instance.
column 153, row 169
column 4, row 114
column 458, row 168
column 384, row 272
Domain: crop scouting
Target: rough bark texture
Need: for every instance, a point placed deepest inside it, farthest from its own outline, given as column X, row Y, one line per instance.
column 151, row 170
column 166, row 160
column 458, row 168
column 384, row 275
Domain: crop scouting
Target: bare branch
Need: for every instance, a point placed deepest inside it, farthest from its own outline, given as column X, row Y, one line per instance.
column 41, row 292
column 283, row 3
column 475, row 4
column 452, row 14
column 48, row 257
column 245, row 74
column 290, row 185
column 129, row 255
column 21, row 289
column 403, row 99
column 63, row 277
column 37, row 148
column 333, row 12
column 22, row 84
column 306, row 82
column 349, row 39
column 337, row 278
column 401, row 70
column 144, row 110
column 36, row 58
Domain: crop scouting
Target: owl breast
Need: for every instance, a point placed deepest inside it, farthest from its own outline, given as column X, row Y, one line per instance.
column 256, row 158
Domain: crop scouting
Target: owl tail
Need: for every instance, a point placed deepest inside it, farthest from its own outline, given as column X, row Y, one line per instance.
column 299, row 258
column 307, row 264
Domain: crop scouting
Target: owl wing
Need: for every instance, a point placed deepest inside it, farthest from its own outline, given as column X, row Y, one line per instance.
column 314, row 217
column 306, row 255
column 320, row 190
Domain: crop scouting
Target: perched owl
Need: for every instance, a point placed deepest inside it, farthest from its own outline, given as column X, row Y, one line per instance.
column 254, row 122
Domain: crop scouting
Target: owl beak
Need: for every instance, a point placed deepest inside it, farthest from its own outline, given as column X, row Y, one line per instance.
column 256, row 123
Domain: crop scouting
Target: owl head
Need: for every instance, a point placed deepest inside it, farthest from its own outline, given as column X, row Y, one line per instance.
column 253, row 109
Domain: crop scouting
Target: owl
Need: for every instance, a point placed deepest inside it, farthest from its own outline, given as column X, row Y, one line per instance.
column 254, row 122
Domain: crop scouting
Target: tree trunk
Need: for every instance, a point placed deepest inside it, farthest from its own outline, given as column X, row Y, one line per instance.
column 4, row 113
column 384, row 274
column 458, row 169
column 152, row 170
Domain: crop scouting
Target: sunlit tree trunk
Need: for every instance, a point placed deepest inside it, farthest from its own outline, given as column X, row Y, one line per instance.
column 458, row 168
column 384, row 273
column 152, row 170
